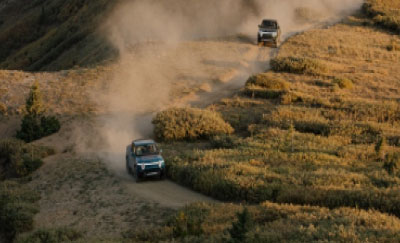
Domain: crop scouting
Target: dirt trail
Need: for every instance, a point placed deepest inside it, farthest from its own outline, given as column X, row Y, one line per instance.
column 166, row 193
column 208, row 76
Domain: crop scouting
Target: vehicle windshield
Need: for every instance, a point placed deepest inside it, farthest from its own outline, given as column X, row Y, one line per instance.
column 268, row 24
column 146, row 149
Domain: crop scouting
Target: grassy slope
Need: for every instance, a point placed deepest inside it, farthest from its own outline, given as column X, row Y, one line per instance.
column 328, row 159
column 37, row 35
column 385, row 13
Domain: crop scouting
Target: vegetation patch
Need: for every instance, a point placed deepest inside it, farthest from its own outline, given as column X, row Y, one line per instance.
column 35, row 124
column 188, row 124
column 268, row 81
column 343, row 83
column 18, row 159
column 298, row 65
column 266, row 86
column 51, row 235
column 17, row 209
column 385, row 13
column 270, row 222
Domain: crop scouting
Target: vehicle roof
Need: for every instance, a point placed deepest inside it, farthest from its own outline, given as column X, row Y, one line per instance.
column 271, row 20
column 143, row 141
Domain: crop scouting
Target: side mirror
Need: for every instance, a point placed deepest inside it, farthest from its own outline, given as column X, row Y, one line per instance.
column 259, row 26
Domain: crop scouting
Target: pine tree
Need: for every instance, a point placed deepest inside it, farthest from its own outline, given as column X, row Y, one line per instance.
column 34, row 104
column 35, row 124
column 242, row 226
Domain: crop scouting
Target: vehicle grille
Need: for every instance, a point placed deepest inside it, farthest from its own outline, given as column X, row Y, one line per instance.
column 267, row 36
column 152, row 170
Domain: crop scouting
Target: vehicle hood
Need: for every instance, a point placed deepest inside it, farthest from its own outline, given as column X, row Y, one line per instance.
column 149, row 158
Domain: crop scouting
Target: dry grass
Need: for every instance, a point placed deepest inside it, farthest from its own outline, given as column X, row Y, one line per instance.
column 385, row 13
column 82, row 194
column 314, row 145
column 276, row 223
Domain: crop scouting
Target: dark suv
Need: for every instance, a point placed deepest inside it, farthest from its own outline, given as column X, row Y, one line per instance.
column 143, row 159
column 269, row 32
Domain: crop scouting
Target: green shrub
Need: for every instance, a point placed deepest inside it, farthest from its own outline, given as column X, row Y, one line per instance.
column 343, row 83
column 297, row 65
column 189, row 123
column 18, row 160
column 35, row 125
column 223, row 141
column 51, row 236
column 242, row 226
column 268, row 81
column 17, row 209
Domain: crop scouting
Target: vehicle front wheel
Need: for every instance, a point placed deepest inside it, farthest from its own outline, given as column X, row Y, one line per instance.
column 136, row 176
column 128, row 168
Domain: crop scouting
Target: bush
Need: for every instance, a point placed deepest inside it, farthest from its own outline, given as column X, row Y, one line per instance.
column 223, row 141
column 256, row 92
column 17, row 160
column 383, row 13
column 189, row 123
column 343, row 83
column 34, row 124
column 297, row 65
column 267, row 81
column 242, row 226
column 17, row 209
column 51, row 236
column 265, row 86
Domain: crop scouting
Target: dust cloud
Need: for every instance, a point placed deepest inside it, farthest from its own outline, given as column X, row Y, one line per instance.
column 149, row 35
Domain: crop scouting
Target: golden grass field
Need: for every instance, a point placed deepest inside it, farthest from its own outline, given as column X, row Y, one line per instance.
column 314, row 156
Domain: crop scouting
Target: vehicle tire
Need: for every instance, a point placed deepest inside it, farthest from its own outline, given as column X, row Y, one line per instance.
column 136, row 176
column 128, row 168
column 162, row 176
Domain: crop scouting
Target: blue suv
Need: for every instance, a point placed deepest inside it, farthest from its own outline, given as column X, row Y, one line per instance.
column 143, row 159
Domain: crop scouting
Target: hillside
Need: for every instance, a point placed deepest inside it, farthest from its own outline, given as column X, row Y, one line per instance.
column 312, row 144
column 52, row 35
column 316, row 141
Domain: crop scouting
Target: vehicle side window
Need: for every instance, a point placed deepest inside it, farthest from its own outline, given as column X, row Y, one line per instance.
column 133, row 148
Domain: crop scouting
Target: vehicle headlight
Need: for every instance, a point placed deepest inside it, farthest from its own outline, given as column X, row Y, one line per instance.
column 160, row 163
column 143, row 166
column 274, row 34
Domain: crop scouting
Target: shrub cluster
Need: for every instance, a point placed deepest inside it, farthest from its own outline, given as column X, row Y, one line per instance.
column 266, row 86
column 384, row 13
column 268, row 81
column 33, row 127
column 35, row 124
column 270, row 222
column 17, row 159
column 51, row 235
column 189, row 123
column 17, row 208
column 223, row 142
column 214, row 181
column 297, row 65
